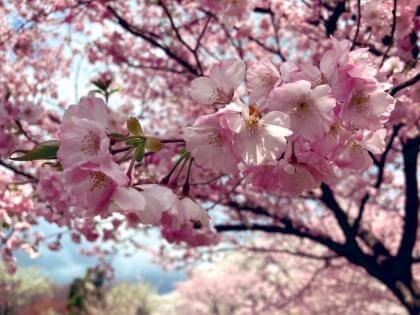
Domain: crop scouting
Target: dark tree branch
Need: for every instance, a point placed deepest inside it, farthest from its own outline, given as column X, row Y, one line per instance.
column 381, row 168
column 200, row 37
column 17, row 171
column 410, row 154
column 382, row 160
column 23, row 131
column 359, row 217
column 276, row 36
column 156, row 68
column 394, row 24
column 331, row 23
column 372, row 49
column 329, row 200
column 263, row 10
column 286, row 229
column 174, row 27
column 290, row 252
column 151, row 40
column 349, row 231
column 405, row 84
column 359, row 18
column 262, row 45
column 376, row 245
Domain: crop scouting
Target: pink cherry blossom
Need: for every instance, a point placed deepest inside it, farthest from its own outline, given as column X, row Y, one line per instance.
column 295, row 178
column 340, row 60
column 310, row 110
column 83, row 136
column 188, row 222
column 230, row 12
column 261, row 78
column 147, row 202
column 7, row 143
column 30, row 113
column 298, row 166
column 259, row 137
column 220, row 86
column 9, row 112
column 355, row 155
column 93, row 185
column 368, row 106
column 265, row 176
column 91, row 108
column 209, row 141
column 52, row 190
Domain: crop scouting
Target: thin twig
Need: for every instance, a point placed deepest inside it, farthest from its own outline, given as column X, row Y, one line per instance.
column 151, row 40
column 17, row 171
column 23, row 131
column 394, row 24
column 405, row 84
column 359, row 18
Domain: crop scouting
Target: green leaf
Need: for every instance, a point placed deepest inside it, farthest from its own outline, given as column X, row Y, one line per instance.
column 134, row 142
column 133, row 125
column 118, row 89
column 117, row 135
column 139, row 152
column 100, row 85
column 43, row 151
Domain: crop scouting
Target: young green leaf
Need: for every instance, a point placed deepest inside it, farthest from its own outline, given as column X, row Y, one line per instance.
column 43, row 151
column 139, row 152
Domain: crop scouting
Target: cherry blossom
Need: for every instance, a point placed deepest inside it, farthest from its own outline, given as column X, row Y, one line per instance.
column 209, row 141
column 261, row 79
column 83, row 136
column 310, row 110
column 220, row 86
column 367, row 106
column 259, row 137
column 291, row 118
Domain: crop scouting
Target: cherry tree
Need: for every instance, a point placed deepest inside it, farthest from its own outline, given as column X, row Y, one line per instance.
column 276, row 277
column 200, row 118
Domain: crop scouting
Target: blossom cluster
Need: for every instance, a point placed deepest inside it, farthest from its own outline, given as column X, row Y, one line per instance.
column 100, row 186
column 11, row 117
column 297, row 126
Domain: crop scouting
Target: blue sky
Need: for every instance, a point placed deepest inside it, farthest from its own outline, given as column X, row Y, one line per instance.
column 68, row 263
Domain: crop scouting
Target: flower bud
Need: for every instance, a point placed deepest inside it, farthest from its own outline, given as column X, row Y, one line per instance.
column 153, row 144
column 133, row 125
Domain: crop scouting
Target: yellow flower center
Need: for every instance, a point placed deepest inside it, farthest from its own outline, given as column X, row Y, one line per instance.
column 253, row 119
column 215, row 138
column 355, row 147
column 360, row 102
column 97, row 180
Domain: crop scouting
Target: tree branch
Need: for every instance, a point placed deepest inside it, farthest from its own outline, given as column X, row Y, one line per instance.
column 381, row 167
column 17, row 171
column 359, row 18
column 286, row 229
column 331, row 23
column 329, row 200
column 410, row 154
column 125, row 25
column 394, row 24
column 405, row 84
column 382, row 160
